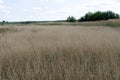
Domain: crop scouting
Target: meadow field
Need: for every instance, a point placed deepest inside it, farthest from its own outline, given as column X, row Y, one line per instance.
column 54, row 52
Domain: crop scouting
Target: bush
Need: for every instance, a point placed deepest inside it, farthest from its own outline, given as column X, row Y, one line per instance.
column 71, row 19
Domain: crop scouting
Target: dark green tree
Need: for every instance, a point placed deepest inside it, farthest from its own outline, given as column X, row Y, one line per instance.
column 71, row 19
column 99, row 16
column 3, row 21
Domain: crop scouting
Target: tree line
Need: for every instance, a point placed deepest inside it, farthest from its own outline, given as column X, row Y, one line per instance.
column 96, row 16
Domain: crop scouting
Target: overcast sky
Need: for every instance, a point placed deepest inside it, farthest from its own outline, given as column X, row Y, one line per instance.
column 39, row 10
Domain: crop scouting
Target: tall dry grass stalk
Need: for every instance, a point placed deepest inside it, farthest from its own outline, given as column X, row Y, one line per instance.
column 59, row 53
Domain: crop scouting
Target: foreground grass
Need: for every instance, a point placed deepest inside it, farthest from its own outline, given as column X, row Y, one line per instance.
column 60, row 53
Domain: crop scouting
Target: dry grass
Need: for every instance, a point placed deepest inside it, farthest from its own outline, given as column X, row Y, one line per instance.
column 60, row 53
column 109, row 23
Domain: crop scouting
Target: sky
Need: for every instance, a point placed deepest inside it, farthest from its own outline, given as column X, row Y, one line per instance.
column 45, row 10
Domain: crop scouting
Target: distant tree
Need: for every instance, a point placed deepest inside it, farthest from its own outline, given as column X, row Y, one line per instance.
column 3, row 21
column 99, row 16
column 88, row 16
column 111, row 15
column 81, row 19
column 71, row 19
column 96, row 16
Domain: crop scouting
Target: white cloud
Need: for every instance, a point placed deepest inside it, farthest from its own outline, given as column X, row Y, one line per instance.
column 36, row 8
column 102, row 5
column 5, row 9
column 1, row 6
column 59, row 0
column 53, row 0
column 1, row 1
column 84, row 7
column 52, row 10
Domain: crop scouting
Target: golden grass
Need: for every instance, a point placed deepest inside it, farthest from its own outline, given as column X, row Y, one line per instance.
column 60, row 53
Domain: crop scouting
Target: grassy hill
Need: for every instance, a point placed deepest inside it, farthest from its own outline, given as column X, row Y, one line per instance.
column 111, row 23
